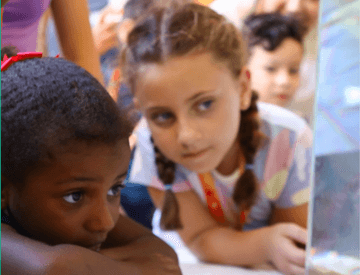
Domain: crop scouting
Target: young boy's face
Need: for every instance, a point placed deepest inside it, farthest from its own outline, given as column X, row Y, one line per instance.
column 74, row 199
column 275, row 74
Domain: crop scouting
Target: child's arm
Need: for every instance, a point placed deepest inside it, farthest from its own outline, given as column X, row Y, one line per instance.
column 75, row 35
column 3, row 3
column 21, row 255
column 297, row 214
column 212, row 242
column 132, row 242
column 138, row 252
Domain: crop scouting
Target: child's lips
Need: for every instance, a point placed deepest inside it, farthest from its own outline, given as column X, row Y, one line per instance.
column 195, row 154
column 283, row 97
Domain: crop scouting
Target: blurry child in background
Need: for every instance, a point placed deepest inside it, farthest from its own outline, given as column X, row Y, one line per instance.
column 276, row 50
column 64, row 157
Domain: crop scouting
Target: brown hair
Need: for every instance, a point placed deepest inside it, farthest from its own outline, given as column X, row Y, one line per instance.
column 189, row 29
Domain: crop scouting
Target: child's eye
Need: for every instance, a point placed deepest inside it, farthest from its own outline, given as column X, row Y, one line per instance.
column 270, row 69
column 203, row 106
column 162, row 117
column 73, row 197
column 294, row 71
column 115, row 190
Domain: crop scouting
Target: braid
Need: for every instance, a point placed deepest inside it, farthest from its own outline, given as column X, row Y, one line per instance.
column 170, row 219
column 250, row 138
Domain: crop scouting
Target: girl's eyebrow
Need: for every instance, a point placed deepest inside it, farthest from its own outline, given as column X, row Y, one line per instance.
column 121, row 176
column 197, row 95
column 192, row 98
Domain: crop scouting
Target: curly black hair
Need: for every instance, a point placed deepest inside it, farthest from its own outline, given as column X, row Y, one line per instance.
column 47, row 103
column 269, row 30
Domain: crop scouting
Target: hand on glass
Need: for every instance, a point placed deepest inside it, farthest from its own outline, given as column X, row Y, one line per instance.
column 282, row 249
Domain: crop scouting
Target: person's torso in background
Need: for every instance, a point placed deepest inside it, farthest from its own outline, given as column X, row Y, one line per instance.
column 20, row 23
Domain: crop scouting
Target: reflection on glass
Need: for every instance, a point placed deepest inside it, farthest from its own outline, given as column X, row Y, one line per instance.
column 334, row 222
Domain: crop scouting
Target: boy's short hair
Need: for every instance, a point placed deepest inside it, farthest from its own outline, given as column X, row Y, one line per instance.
column 269, row 30
column 47, row 103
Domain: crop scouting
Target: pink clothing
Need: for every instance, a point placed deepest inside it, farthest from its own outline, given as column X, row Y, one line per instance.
column 20, row 23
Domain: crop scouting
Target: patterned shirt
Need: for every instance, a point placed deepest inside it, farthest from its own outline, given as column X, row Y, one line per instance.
column 282, row 167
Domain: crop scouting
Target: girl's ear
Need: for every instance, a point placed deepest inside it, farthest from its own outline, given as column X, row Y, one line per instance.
column 245, row 86
column 5, row 192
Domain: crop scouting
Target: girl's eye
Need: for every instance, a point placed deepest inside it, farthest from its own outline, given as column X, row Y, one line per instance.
column 270, row 69
column 294, row 71
column 162, row 117
column 203, row 106
column 73, row 197
column 115, row 190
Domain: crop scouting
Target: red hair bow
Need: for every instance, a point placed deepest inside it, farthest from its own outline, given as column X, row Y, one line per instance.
column 20, row 56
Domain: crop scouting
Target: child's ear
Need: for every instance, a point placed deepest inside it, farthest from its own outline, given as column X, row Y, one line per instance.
column 124, row 29
column 245, row 86
column 5, row 192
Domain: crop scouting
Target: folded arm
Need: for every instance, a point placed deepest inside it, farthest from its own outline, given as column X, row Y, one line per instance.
column 135, row 243
column 21, row 255
column 213, row 242
column 129, row 249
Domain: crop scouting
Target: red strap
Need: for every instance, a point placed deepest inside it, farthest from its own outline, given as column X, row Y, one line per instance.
column 213, row 200
column 212, row 197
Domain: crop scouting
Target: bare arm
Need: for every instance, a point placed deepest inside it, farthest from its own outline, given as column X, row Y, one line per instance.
column 3, row 3
column 130, row 249
column 21, row 255
column 211, row 241
column 297, row 214
column 73, row 27
column 216, row 243
column 135, row 243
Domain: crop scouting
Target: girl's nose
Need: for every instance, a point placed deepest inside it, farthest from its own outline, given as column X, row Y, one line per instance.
column 100, row 219
column 295, row 6
column 188, row 133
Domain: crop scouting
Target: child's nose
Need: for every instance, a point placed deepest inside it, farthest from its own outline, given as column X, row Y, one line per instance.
column 100, row 218
column 188, row 132
column 295, row 6
column 283, row 78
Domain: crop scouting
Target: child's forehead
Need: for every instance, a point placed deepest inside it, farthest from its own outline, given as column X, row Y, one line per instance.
column 87, row 161
column 78, row 149
column 288, row 44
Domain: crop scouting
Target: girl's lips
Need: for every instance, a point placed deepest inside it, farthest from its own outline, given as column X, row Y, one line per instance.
column 195, row 154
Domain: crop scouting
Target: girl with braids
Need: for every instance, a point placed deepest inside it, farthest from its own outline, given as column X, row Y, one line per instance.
column 64, row 156
column 231, row 175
